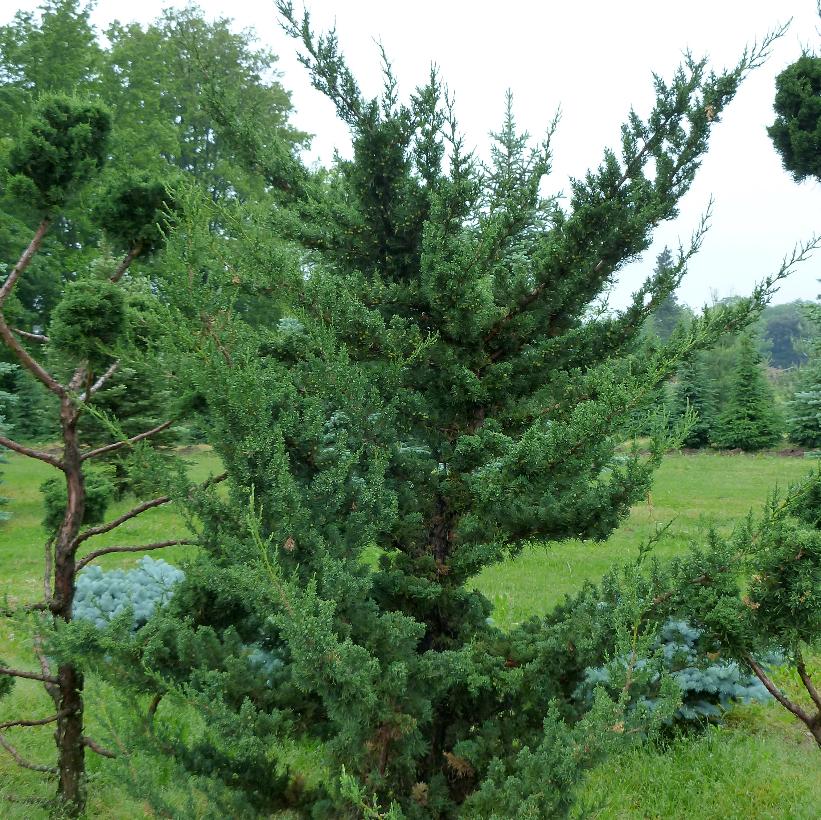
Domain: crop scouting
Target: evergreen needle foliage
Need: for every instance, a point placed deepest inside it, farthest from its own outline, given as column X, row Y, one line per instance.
column 750, row 419
column 440, row 392
column 694, row 392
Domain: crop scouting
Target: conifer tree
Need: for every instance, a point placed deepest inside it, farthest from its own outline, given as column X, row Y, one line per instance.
column 439, row 391
column 694, row 391
column 750, row 419
column 804, row 411
column 60, row 149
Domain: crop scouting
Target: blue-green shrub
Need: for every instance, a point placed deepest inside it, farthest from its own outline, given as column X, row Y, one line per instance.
column 709, row 686
column 102, row 595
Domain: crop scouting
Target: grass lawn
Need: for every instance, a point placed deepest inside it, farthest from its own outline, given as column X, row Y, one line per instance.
column 760, row 764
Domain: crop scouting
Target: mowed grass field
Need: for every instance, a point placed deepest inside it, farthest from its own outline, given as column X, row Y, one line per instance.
column 758, row 765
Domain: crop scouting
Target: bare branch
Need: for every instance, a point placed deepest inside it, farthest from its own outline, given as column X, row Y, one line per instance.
column 126, row 263
column 95, row 747
column 807, row 681
column 21, row 761
column 139, row 510
column 23, row 262
column 27, row 451
column 118, row 445
column 157, row 545
column 80, row 375
column 32, row 337
column 776, row 692
column 100, row 383
column 42, row 722
column 28, row 361
column 112, row 525
column 20, row 673
column 51, row 688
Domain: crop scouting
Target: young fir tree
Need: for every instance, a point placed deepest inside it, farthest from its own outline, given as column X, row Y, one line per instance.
column 442, row 392
column 60, row 149
column 750, row 418
column 804, row 411
column 694, row 391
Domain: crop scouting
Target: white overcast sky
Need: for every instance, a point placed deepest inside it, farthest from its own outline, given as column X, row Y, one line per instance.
column 593, row 59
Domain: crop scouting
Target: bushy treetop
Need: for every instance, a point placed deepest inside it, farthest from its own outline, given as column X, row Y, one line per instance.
column 62, row 146
column 796, row 132
column 134, row 209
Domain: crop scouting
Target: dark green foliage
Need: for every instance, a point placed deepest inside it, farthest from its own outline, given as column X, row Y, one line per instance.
column 89, row 322
column 62, row 146
column 694, row 391
column 99, row 491
column 440, row 392
column 134, row 209
column 804, row 415
column 34, row 412
column 796, row 132
column 750, row 419
column 785, row 331
column 668, row 314
column 804, row 410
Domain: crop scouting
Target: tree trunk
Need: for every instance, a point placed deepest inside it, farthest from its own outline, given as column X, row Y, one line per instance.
column 69, row 734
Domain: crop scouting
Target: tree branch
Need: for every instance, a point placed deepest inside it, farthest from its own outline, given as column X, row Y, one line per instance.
column 33, row 337
column 51, row 688
column 27, row 360
column 23, row 261
column 118, row 445
column 100, row 383
column 807, row 681
column 95, row 747
column 139, row 510
column 157, row 545
column 21, row 761
column 776, row 692
column 42, row 722
column 112, row 525
column 19, row 673
column 27, row 451
column 126, row 263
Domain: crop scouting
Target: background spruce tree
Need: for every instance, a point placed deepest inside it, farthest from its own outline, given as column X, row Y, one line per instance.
column 804, row 410
column 694, row 391
column 668, row 314
column 750, row 419
column 436, row 396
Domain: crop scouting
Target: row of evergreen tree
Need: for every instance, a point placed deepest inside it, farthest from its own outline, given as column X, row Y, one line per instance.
column 750, row 390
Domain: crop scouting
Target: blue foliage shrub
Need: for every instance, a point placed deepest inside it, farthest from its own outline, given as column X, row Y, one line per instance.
column 102, row 595
column 709, row 686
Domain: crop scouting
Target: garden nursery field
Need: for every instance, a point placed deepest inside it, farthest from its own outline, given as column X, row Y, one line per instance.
column 396, row 482
column 757, row 764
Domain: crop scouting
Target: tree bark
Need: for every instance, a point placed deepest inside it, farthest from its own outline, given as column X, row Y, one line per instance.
column 69, row 735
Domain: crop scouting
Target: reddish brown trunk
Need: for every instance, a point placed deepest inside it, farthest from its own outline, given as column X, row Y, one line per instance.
column 69, row 734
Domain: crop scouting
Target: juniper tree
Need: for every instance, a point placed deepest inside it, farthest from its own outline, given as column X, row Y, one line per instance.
column 750, row 419
column 440, row 389
column 60, row 149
